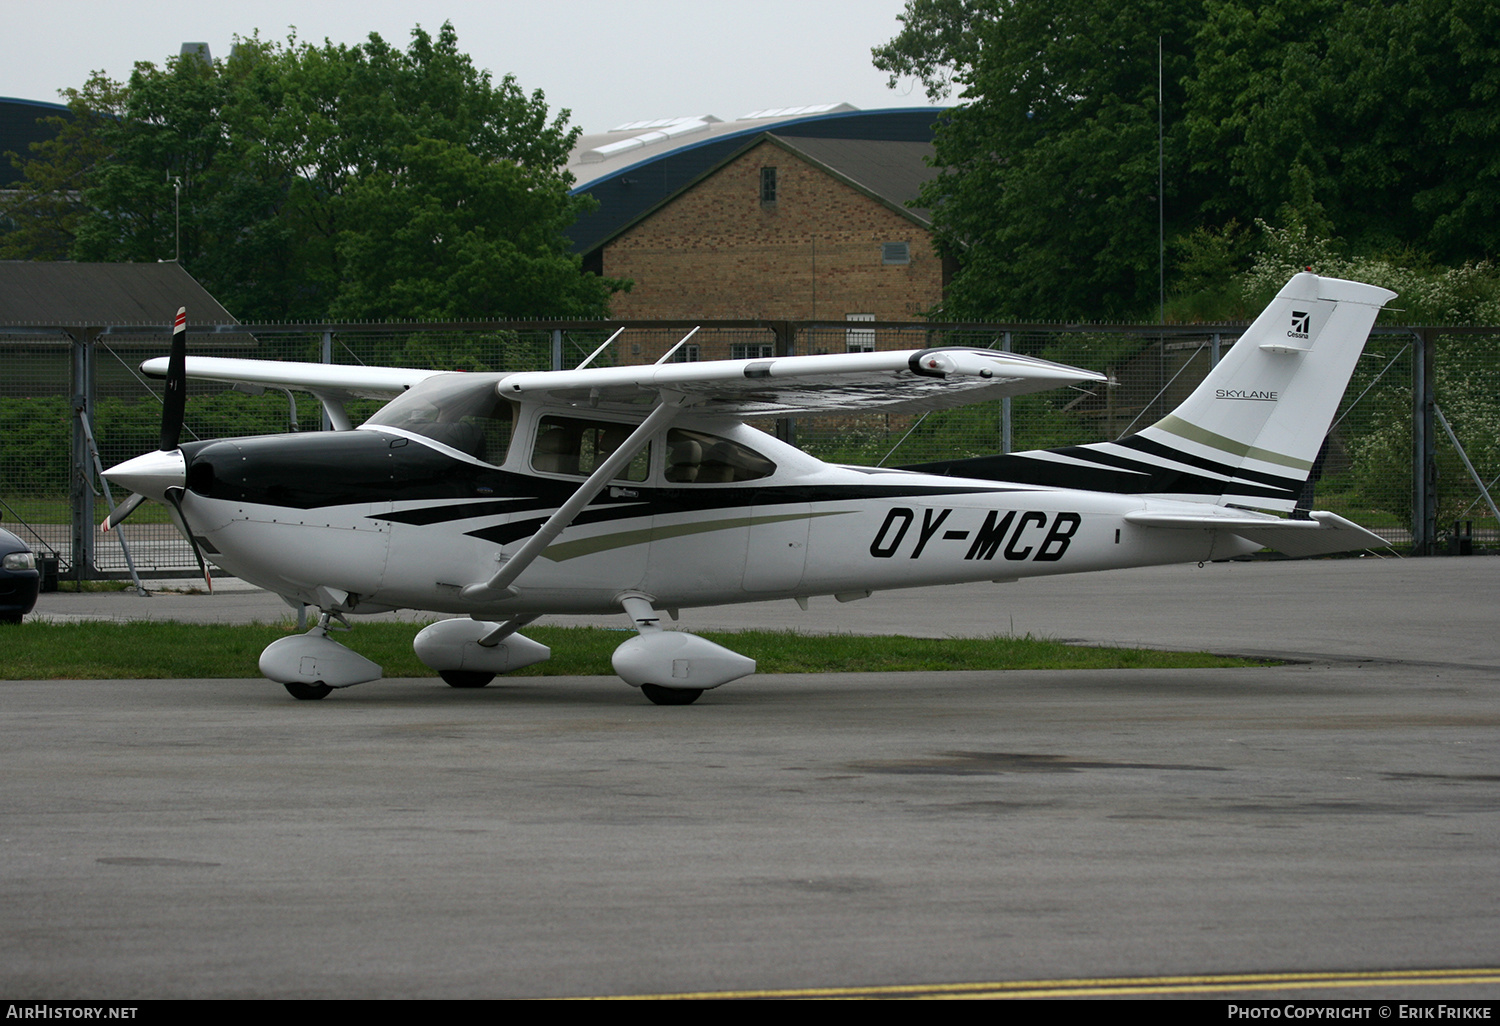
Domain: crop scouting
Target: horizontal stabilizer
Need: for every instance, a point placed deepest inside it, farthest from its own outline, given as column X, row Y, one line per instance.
column 1325, row 533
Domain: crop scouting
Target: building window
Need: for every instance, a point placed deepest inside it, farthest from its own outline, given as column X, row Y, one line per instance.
column 751, row 351
column 689, row 352
column 895, row 252
column 768, row 185
column 859, row 340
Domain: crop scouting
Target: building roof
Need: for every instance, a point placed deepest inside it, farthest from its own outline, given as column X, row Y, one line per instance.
column 601, row 154
column 628, row 181
column 890, row 170
column 36, row 292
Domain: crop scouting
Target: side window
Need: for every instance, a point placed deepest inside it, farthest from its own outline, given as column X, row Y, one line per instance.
column 697, row 458
column 568, row 446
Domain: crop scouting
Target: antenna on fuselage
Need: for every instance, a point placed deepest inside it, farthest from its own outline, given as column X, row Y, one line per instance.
column 680, row 342
column 590, row 358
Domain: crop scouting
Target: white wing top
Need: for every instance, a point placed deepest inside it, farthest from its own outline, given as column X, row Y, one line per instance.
column 907, row 381
column 896, row 382
column 319, row 378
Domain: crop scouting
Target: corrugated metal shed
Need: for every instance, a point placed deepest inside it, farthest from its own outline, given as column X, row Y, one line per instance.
column 34, row 292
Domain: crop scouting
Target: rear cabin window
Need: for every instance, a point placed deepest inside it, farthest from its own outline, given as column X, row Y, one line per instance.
column 565, row 445
column 694, row 457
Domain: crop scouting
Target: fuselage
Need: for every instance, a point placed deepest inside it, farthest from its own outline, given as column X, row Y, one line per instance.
column 392, row 517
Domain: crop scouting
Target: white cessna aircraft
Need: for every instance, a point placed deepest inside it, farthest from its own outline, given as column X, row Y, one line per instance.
column 505, row 497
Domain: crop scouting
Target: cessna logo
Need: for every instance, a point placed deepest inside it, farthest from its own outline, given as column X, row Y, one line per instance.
column 1237, row 393
column 1018, row 535
column 1301, row 320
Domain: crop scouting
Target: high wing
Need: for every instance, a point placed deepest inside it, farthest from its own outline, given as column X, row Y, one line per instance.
column 909, row 381
column 906, row 381
column 332, row 379
column 331, row 383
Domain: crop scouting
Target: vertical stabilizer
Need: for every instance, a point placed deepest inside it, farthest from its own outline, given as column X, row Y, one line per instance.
column 1248, row 435
column 1263, row 412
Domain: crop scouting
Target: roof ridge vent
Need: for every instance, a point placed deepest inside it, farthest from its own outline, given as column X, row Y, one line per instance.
column 793, row 112
column 674, row 129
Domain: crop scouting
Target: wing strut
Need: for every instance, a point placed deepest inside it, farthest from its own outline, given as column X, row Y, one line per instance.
column 499, row 587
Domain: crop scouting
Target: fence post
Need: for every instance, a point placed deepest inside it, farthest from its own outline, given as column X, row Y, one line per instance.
column 80, row 490
column 1424, row 449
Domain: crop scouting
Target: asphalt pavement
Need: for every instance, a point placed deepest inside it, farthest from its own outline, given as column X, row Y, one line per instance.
column 1338, row 814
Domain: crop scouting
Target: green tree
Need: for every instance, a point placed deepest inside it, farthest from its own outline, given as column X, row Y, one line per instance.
column 446, row 235
column 1049, row 189
column 43, row 211
column 1369, row 122
column 283, row 168
column 1375, row 122
column 938, row 39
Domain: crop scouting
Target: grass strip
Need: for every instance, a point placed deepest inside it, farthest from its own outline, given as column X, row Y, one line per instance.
column 101, row 650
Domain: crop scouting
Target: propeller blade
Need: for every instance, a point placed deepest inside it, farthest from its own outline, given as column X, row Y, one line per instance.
column 174, row 496
column 122, row 511
column 174, row 396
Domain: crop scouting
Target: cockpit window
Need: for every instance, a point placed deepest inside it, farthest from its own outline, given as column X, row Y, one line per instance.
column 698, row 458
column 565, row 445
column 466, row 414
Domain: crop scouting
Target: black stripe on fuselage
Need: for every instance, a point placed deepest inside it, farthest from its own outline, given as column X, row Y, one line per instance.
column 1166, row 452
column 1116, row 473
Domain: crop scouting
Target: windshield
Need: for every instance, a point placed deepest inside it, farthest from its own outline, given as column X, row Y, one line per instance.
column 459, row 410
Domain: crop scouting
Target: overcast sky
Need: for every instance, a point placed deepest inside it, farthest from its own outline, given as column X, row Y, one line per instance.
column 609, row 61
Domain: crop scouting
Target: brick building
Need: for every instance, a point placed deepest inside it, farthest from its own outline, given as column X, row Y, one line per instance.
column 775, row 217
column 785, row 229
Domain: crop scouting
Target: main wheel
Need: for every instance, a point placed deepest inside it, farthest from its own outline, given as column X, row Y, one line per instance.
column 466, row 678
column 307, row 692
column 670, row 696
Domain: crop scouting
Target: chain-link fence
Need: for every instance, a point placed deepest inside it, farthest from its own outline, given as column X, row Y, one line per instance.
column 50, row 492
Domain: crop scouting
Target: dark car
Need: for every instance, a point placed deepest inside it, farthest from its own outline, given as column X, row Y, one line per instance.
column 19, row 579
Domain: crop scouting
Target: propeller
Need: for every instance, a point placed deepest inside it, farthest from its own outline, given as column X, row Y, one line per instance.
column 174, row 395
column 162, row 475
